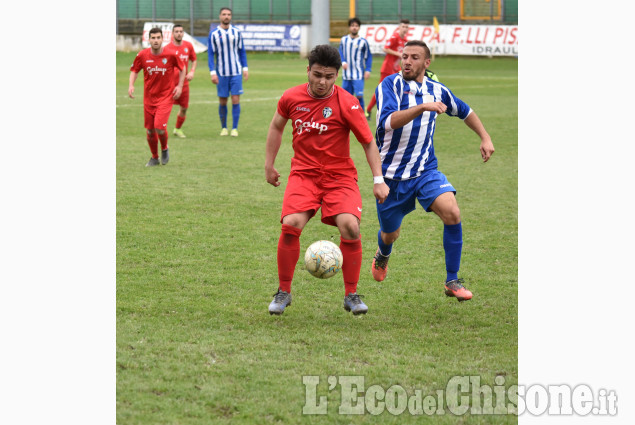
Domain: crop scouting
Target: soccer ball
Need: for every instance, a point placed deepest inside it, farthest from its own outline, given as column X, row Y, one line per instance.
column 323, row 259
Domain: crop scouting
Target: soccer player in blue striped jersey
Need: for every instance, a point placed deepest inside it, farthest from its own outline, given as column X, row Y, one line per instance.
column 408, row 104
column 357, row 62
column 227, row 62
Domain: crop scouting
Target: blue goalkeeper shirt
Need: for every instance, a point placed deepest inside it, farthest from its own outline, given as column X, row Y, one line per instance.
column 226, row 53
column 356, row 53
column 408, row 151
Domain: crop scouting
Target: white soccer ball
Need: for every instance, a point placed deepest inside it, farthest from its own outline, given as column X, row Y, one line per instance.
column 323, row 259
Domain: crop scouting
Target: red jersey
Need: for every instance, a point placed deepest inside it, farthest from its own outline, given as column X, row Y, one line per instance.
column 391, row 62
column 321, row 129
column 158, row 72
column 185, row 53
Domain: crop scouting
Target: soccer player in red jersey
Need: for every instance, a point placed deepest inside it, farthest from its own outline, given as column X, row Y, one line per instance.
column 159, row 92
column 323, row 174
column 184, row 50
column 393, row 48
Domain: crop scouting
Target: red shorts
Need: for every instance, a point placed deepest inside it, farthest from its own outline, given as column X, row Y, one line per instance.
column 184, row 100
column 334, row 194
column 156, row 116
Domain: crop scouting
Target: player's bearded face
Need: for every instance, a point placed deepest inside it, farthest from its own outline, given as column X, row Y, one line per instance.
column 178, row 34
column 225, row 17
column 321, row 79
column 156, row 40
column 414, row 63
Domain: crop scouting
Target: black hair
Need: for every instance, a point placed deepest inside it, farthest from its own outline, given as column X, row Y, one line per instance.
column 419, row 43
column 325, row 55
column 357, row 21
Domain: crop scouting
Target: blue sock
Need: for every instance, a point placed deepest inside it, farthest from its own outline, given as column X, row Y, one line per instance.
column 383, row 248
column 235, row 115
column 222, row 113
column 361, row 102
column 453, row 244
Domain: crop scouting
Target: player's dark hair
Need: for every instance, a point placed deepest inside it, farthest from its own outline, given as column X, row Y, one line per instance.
column 325, row 55
column 404, row 21
column 225, row 8
column 154, row 31
column 354, row 20
column 419, row 43
column 177, row 26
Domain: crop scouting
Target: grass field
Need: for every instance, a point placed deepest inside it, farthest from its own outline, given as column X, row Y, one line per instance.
column 196, row 265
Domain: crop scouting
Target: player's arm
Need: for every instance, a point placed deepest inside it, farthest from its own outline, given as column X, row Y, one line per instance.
column 342, row 54
column 133, row 78
column 274, row 140
column 190, row 75
column 475, row 124
column 179, row 86
column 369, row 62
column 380, row 189
column 400, row 118
column 211, row 58
column 242, row 55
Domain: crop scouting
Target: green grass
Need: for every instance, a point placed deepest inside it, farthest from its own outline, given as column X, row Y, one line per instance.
column 196, row 265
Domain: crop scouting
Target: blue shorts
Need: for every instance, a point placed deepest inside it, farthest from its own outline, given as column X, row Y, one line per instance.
column 354, row 87
column 227, row 85
column 403, row 193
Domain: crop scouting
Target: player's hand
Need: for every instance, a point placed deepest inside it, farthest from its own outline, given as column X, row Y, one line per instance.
column 438, row 107
column 131, row 92
column 246, row 75
column 272, row 176
column 177, row 92
column 189, row 76
column 487, row 149
column 344, row 65
column 366, row 75
column 381, row 192
column 215, row 79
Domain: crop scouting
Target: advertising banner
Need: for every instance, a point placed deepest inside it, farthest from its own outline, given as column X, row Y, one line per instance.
column 485, row 40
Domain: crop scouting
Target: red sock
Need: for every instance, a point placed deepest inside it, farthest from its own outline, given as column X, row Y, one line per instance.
column 352, row 253
column 153, row 143
column 288, row 255
column 163, row 138
column 179, row 121
column 372, row 103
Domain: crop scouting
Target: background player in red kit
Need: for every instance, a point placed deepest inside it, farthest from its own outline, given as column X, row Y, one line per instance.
column 393, row 48
column 323, row 174
column 184, row 51
column 158, row 92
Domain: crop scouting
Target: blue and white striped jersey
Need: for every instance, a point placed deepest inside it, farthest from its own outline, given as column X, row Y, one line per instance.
column 356, row 53
column 226, row 52
column 407, row 151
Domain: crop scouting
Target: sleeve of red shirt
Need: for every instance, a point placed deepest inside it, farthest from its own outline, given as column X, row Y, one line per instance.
column 176, row 62
column 353, row 114
column 192, row 53
column 136, row 64
column 282, row 106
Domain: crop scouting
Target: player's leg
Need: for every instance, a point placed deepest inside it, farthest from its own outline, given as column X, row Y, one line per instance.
column 342, row 206
column 358, row 92
column 236, row 89
column 447, row 208
column 183, row 102
column 298, row 206
column 151, row 135
column 222, row 89
column 399, row 203
column 160, row 125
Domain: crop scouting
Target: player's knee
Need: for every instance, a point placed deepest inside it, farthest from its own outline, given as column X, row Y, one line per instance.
column 390, row 238
column 452, row 215
column 349, row 229
column 150, row 131
column 159, row 131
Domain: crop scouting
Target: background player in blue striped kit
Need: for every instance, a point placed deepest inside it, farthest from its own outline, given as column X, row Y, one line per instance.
column 408, row 104
column 357, row 62
column 227, row 62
